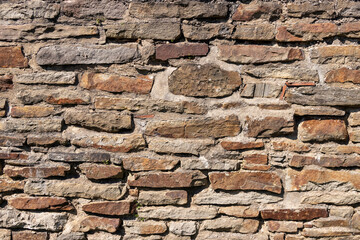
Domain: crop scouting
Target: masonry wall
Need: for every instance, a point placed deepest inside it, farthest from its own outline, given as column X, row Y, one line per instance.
column 179, row 120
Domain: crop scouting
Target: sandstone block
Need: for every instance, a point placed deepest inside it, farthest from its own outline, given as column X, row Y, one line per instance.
column 98, row 171
column 79, row 157
column 168, row 179
column 296, row 214
column 33, row 125
column 205, row 235
column 310, row 9
column 269, row 126
column 178, row 213
column 233, row 146
column 5, row 234
column 116, row 83
column 8, row 185
column 327, row 232
column 258, row 54
column 317, row 111
column 284, row 226
column 31, row 111
column 108, row 208
column 29, row 235
column 76, row 54
column 178, row 50
column 6, row 83
column 168, row 197
column 203, row 163
column 145, row 228
column 333, row 197
column 266, row 181
column 322, row 130
column 136, row 164
column 254, row 10
column 38, row 171
column 12, row 57
column 41, row 203
column 343, row 75
column 335, row 54
column 53, row 78
column 290, row 145
column 12, row 140
column 203, row 81
column 354, row 119
column 231, row 224
column 240, row 211
column 263, row 32
column 47, row 139
column 92, row 223
column 183, row 228
column 196, row 30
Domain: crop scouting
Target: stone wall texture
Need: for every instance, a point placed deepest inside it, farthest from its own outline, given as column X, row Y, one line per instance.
column 179, row 120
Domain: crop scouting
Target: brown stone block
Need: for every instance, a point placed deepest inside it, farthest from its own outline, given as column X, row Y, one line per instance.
column 12, row 57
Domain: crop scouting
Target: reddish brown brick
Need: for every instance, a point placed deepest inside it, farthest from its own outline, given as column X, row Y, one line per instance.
column 177, row 50
column 12, row 57
column 29, row 235
column 116, row 83
column 231, row 146
column 266, row 181
column 168, row 179
column 119, row 208
column 99, row 171
column 41, row 203
column 296, row 214
column 31, row 111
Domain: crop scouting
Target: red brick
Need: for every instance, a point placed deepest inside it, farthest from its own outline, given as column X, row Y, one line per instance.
column 12, row 57
column 296, row 214
column 266, row 181
column 116, row 83
column 231, row 146
column 177, row 50
column 168, row 179
column 41, row 203
column 119, row 208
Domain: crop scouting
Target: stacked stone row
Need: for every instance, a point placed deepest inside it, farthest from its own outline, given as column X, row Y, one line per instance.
column 179, row 120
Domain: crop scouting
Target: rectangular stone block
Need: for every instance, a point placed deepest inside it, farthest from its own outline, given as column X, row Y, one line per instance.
column 57, row 78
column 34, row 125
column 178, row 213
column 12, row 57
column 168, row 197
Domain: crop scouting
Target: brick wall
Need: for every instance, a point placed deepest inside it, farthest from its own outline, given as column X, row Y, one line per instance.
column 179, row 120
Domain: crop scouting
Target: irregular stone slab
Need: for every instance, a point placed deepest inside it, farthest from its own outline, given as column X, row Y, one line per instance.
column 195, row 128
column 79, row 157
column 136, row 164
column 267, row 181
column 75, row 188
column 5, row 234
column 105, row 236
column 324, row 161
column 343, row 75
column 72, row 236
column 309, row 9
column 196, row 30
column 348, row 9
column 56, row 78
column 355, row 135
column 8, row 185
column 104, row 121
column 269, row 126
column 322, row 130
column 116, row 83
column 205, row 235
column 47, row 139
column 240, row 211
column 12, row 57
column 290, row 145
column 6, row 82
column 324, row 96
column 297, row 180
column 188, row 9
column 109, row 142
column 209, row 196
column 76, row 54
column 93, row 223
column 29, row 10
column 145, row 228
column 333, row 197
column 33, row 125
column 41, row 203
column 263, row 32
column 149, row 29
column 295, row 214
column 348, row 149
column 207, row 80
column 317, row 111
column 11, row 218
column 93, row 8
column 178, row 213
column 183, row 228
column 291, row 73
column 258, row 54
column 53, row 96
column 108, row 208
column 202, row 163
column 29, row 235
column 284, row 226
column 178, row 50
column 233, row 146
column 168, row 179
column 38, row 171
column 31, row 111
column 354, row 119
column 328, row 232
column 231, row 224
column 99, row 171
column 168, row 197
column 335, row 54
column 254, row 10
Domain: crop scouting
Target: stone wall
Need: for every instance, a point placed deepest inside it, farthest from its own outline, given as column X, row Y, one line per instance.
column 179, row 120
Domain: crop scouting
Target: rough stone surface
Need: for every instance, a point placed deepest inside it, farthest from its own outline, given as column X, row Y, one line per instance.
column 29, row 235
column 98, row 172
column 145, row 228
column 54, row 55
column 56, row 78
column 265, row 32
column 246, row 181
column 231, row 224
column 334, row 197
column 147, row 164
column 294, row 214
column 178, row 213
column 93, row 223
column 33, row 125
column 269, row 126
column 169, row 197
column 196, row 30
column 322, row 130
column 108, row 208
column 246, row 54
column 254, row 10
column 31, row 111
column 116, row 83
column 74, row 188
column 183, row 228
column 240, row 211
column 41, row 203
column 177, row 50
column 12, row 57
column 38, row 171
column 203, row 81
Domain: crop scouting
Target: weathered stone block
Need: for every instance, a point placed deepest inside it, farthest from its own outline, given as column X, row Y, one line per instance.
column 178, row 213
column 31, row 111
column 145, row 228
column 41, row 203
column 57, row 78
column 168, row 197
column 38, row 171
column 12, row 57
column 178, row 50
column 98, row 171
column 33, row 125
column 296, row 214
column 147, row 164
column 322, row 130
column 254, row 10
column 93, row 223
column 109, row 208
column 269, row 126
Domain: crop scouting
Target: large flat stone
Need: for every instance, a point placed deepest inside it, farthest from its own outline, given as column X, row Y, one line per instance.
column 179, row 213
